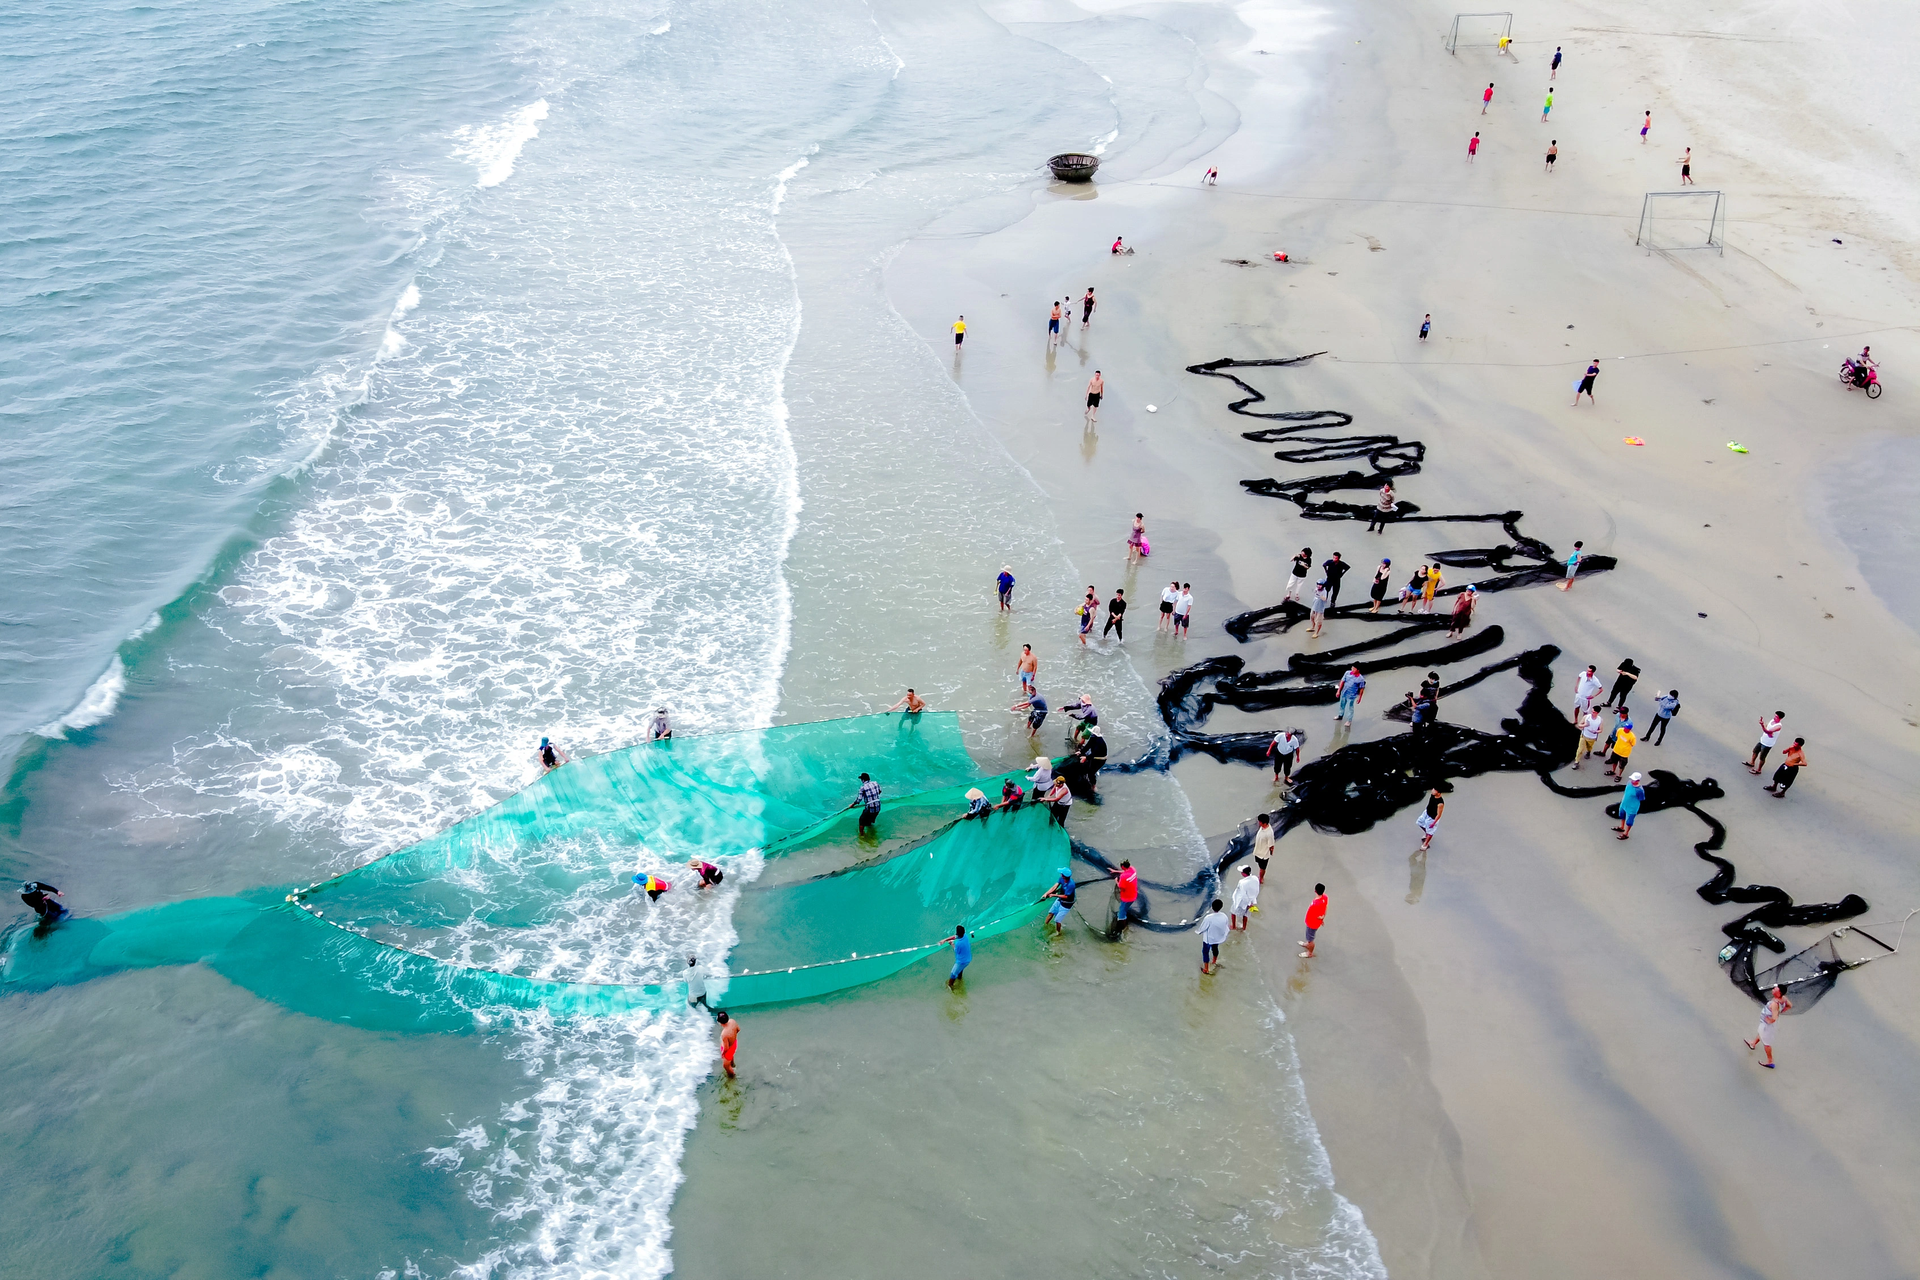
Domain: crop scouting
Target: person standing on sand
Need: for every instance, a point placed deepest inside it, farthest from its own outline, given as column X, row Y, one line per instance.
column 1429, row 819
column 1626, row 675
column 1590, row 729
column 1624, row 739
column 1335, row 569
column 1005, row 584
column 1486, row 99
column 1410, row 594
column 1554, row 74
column 1585, row 690
column 1585, row 388
column 1213, row 930
column 962, row 953
column 1686, row 168
column 1378, row 591
column 1297, row 577
column 1579, row 552
column 1383, row 510
column 1316, row 916
column 1053, row 326
column 1630, row 801
column 1246, row 900
column 1183, row 610
column 1285, row 749
column 1435, row 580
column 1769, row 730
column 1116, row 615
column 1777, row 1004
column 1096, row 388
column 1645, row 125
column 959, row 333
column 1548, row 109
column 1473, row 149
column 1463, row 611
column 1317, row 611
column 1028, row 669
column 1352, row 688
column 1086, row 308
column 1792, row 761
column 1553, row 153
column 1263, row 846
column 1665, row 708
column 729, row 1041
column 1168, row 598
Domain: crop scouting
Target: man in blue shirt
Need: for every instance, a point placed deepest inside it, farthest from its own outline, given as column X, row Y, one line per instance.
column 1630, row 802
column 1063, row 893
column 1006, row 588
column 1353, row 687
column 962, row 953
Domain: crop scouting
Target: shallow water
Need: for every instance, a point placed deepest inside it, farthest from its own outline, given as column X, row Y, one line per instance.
column 451, row 376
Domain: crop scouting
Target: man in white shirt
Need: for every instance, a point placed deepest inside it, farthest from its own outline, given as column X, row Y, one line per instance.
column 1585, row 691
column 1246, row 899
column 1213, row 930
column 1183, row 609
column 1263, row 846
column 1590, row 730
column 1769, row 730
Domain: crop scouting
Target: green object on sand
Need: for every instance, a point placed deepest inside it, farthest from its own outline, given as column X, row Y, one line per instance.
column 1736, row 446
column 357, row 948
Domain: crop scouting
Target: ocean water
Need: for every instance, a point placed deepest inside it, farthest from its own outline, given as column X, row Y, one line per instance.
column 388, row 386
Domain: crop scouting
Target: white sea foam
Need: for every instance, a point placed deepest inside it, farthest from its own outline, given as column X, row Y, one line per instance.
column 393, row 343
column 492, row 148
column 96, row 705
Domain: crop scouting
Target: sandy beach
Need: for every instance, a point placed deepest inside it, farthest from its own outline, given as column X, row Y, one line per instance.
column 1520, row 1051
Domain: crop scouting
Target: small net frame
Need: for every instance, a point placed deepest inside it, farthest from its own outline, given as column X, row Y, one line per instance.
column 1811, row 972
column 1675, row 221
column 1499, row 26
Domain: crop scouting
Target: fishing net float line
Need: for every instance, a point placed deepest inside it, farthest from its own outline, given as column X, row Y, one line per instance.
column 1355, row 787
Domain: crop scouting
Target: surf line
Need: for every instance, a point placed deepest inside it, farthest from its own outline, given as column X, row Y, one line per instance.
column 1357, row 785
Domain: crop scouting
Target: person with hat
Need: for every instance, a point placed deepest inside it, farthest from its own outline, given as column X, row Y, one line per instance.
column 1005, row 581
column 1012, row 796
column 40, row 896
column 1629, row 807
column 868, row 800
column 1624, row 739
column 977, row 806
column 1063, row 895
column 1463, row 611
column 1036, row 708
column 658, row 728
column 709, row 874
column 551, row 757
column 1060, row 800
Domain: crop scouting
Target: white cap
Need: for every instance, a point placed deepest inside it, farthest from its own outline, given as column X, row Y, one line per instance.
column 1633, row 777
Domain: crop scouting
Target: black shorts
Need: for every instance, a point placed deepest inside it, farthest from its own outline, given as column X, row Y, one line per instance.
column 1093, row 399
column 1166, row 606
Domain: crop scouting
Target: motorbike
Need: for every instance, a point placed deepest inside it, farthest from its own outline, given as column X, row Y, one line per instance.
column 1864, row 376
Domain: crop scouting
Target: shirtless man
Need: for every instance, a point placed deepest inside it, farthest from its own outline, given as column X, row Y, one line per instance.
column 1028, row 667
column 913, row 702
column 1096, row 388
column 729, row 1041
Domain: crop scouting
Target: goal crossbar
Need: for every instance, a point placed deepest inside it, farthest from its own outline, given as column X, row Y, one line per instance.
column 1686, row 219
column 1504, row 18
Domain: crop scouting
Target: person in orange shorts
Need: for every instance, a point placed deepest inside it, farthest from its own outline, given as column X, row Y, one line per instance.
column 729, row 1042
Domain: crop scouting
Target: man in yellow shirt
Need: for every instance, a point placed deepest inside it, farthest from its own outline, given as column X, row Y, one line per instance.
column 959, row 331
column 1623, row 743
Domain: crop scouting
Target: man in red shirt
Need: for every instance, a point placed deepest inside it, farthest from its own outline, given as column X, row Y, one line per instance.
column 1126, row 887
column 1316, row 916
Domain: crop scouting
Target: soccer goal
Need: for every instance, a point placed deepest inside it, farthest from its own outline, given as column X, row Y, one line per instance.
column 1683, row 220
column 1479, row 28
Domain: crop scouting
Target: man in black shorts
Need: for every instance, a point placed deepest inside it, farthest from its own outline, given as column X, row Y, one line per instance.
column 1335, row 569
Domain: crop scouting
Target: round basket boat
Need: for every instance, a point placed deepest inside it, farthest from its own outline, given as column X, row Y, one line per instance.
column 1074, row 166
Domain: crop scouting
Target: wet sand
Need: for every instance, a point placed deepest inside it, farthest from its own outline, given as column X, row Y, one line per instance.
column 1520, row 1051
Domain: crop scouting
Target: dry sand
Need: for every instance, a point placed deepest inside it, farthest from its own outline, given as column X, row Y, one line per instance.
column 1520, row 1051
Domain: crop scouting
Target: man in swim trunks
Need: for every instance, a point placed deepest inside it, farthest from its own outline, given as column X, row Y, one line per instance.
column 869, row 802
column 1213, row 930
column 1586, row 383
column 40, row 897
column 1005, row 585
column 1792, row 761
column 1316, row 916
column 962, row 953
column 729, row 1041
column 1263, row 846
column 913, row 702
column 1554, row 72
column 1028, row 668
column 1096, row 388
column 1553, row 153
column 1053, row 325
column 1646, row 125
column 1063, row 894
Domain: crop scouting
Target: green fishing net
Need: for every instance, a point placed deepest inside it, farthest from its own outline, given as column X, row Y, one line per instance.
column 838, row 909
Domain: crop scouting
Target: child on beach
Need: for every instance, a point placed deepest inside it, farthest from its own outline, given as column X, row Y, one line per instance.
column 1317, row 615
column 1429, row 819
column 1316, row 916
column 1573, row 561
column 1777, row 1004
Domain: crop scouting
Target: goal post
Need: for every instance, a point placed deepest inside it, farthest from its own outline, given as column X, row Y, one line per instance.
column 1671, row 220
column 1478, row 29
